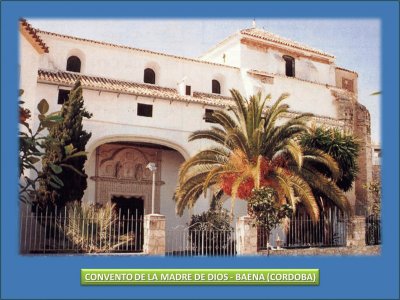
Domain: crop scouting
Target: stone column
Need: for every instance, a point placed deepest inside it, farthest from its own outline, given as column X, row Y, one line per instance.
column 154, row 234
column 356, row 232
column 246, row 236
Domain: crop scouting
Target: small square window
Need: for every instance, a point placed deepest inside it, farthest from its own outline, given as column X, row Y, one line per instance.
column 144, row 110
column 62, row 96
column 208, row 115
column 188, row 90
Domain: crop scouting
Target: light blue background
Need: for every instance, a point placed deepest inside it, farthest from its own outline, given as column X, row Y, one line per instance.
column 59, row 276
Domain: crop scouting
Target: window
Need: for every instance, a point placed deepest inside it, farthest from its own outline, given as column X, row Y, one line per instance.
column 289, row 65
column 188, row 90
column 347, row 84
column 74, row 64
column 216, row 87
column 149, row 76
column 144, row 110
column 62, row 96
column 208, row 115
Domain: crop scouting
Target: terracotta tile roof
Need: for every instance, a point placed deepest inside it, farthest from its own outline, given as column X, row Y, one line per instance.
column 343, row 69
column 268, row 36
column 32, row 32
column 127, row 87
column 131, row 48
column 266, row 74
column 211, row 96
column 153, row 91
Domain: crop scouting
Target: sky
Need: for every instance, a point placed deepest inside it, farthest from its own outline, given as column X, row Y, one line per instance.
column 356, row 43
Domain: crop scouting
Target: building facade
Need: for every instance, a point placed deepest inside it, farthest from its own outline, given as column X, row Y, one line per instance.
column 145, row 104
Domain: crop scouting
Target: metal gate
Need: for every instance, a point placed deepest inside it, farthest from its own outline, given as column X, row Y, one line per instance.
column 200, row 239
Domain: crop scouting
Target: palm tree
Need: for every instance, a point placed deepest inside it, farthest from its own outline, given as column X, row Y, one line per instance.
column 250, row 151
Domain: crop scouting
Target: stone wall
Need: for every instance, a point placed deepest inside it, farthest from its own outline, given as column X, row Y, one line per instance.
column 356, row 232
column 376, row 173
column 154, row 234
column 357, row 121
column 366, row 250
column 246, row 236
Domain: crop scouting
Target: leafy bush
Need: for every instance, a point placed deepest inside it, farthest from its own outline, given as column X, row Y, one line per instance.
column 266, row 210
column 210, row 232
column 343, row 147
column 31, row 144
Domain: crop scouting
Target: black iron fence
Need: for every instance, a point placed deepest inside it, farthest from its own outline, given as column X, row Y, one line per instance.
column 197, row 240
column 71, row 231
column 373, row 230
column 329, row 231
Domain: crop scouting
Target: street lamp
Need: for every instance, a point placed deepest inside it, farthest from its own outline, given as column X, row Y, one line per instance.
column 153, row 168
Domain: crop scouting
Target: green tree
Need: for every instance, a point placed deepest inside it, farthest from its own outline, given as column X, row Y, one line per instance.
column 65, row 155
column 343, row 147
column 251, row 151
column 263, row 206
column 30, row 147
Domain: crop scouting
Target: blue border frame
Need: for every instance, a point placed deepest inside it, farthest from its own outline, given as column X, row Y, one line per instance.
column 58, row 276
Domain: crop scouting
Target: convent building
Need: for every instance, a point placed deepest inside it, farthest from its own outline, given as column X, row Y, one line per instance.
column 145, row 104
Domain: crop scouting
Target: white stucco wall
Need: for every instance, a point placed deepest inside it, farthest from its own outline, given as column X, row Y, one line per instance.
column 115, row 115
column 28, row 68
column 271, row 61
column 128, row 64
column 115, row 119
column 230, row 48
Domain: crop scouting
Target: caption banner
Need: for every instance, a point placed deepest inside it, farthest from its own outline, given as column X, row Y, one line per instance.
column 200, row 277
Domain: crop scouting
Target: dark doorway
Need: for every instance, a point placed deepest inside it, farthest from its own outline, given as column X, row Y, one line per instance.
column 128, row 206
column 130, row 211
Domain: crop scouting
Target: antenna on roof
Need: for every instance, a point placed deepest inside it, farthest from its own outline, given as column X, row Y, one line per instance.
column 254, row 23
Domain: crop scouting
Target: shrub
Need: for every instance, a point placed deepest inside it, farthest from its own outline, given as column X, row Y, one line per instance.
column 210, row 232
column 92, row 228
column 30, row 148
column 266, row 210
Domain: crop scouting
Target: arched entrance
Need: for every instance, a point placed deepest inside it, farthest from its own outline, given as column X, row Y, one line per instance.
column 121, row 174
column 118, row 174
column 118, row 168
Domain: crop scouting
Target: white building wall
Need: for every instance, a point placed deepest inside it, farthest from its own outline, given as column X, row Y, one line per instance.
column 304, row 96
column 228, row 52
column 126, row 64
column 28, row 68
column 271, row 61
column 115, row 115
column 115, row 119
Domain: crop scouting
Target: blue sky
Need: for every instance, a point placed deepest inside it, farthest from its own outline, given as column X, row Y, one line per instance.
column 354, row 42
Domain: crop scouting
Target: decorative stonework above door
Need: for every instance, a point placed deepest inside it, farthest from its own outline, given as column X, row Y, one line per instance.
column 121, row 169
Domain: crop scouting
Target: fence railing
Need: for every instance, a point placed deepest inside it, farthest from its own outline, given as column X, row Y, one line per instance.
column 373, row 230
column 330, row 231
column 197, row 241
column 71, row 230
